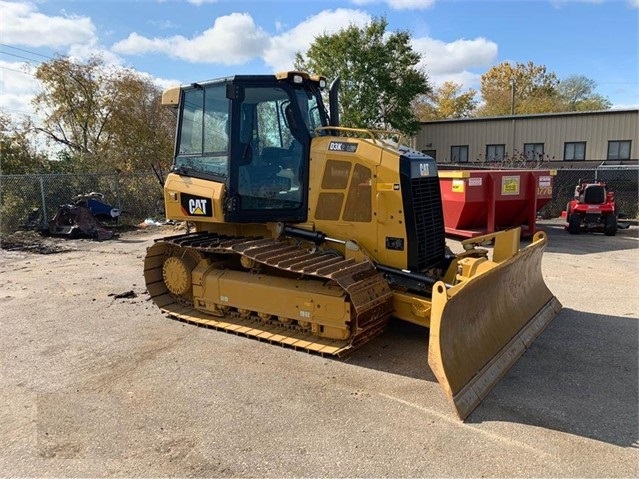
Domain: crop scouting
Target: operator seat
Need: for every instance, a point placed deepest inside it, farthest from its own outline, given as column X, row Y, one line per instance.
column 594, row 195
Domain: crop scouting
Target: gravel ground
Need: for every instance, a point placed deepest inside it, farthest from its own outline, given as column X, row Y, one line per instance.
column 96, row 382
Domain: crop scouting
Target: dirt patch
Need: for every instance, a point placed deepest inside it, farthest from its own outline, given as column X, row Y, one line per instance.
column 34, row 242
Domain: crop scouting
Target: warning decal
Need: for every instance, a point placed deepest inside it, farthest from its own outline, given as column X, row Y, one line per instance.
column 458, row 186
column 510, row 185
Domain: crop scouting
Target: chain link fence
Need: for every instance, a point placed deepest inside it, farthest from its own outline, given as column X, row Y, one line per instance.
column 138, row 195
column 622, row 180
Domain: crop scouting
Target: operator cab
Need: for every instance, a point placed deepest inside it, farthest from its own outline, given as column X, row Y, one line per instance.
column 591, row 192
column 594, row 194
column 252, row 133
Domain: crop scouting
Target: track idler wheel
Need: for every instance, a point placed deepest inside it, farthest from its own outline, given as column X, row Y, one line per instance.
column 176, row 272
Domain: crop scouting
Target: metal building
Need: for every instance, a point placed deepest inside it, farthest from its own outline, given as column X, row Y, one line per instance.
column 564, row 140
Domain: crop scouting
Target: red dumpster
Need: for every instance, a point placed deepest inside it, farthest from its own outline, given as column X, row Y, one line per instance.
column 476, row 202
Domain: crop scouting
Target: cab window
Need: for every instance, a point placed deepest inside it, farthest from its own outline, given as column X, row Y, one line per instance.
column 203, row 142
column 270, row 154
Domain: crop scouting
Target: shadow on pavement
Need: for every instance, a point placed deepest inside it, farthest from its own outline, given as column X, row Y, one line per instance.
column 560, row 241
column 580, row 376
column 401, row 349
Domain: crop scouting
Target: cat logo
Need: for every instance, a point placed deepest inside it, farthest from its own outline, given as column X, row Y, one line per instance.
column 196, row 205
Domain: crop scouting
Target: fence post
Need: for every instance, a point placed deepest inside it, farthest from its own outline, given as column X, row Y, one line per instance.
column 44, row 203
column 117, row 189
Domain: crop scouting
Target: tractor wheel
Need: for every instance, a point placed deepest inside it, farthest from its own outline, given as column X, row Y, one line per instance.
column 574, row 224
column 610, row 225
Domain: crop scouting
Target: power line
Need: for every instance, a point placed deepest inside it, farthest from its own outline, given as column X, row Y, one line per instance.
column 26, row 51
column 20, row 56
column 17, row 71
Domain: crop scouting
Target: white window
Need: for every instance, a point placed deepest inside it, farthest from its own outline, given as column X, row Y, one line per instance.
column 534, row 151
column 495, row 152
column 574, row 151
column 619, row 150
column 459, row 154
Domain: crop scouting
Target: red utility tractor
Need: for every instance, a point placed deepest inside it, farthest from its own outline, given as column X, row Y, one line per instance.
column 592, row 209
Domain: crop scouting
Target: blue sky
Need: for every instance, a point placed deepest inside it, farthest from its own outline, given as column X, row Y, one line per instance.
column 181, row 41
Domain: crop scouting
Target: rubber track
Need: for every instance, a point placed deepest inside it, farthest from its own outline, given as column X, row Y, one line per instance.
column 368, row 290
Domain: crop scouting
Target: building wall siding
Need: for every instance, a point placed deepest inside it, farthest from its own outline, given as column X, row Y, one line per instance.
column 553, row 130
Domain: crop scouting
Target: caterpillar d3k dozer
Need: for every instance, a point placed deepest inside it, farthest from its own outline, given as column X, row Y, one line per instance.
column 312, row 235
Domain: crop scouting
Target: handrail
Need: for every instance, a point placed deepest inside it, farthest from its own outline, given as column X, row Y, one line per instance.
column 372, row 134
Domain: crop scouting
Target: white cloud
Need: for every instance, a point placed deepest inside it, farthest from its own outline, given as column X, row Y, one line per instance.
column 625, row 106
column 232, row 40
column 161, row 83
column 410, row 4
column 281, row 52
column 18, row 87
column 200, row 2
column 399, row 4
column 235, row 39
column 453, row 61
column 22, row 24
column 465, row 78
column 82, row 52
column 164, row 83
column 440, row 57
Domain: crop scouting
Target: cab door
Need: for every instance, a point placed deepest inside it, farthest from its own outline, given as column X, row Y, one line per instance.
column 269, row 157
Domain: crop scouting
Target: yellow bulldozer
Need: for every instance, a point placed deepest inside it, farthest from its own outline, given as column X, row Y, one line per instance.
column 313, row 235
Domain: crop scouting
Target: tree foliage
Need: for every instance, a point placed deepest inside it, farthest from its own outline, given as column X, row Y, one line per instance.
column 18, row 153
column 378, row 72
column 535, row 90
column 446, row 102
column 577, row 93
column 104, row 118
column 142, row 128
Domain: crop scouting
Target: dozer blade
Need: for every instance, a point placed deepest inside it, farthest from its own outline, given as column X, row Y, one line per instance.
column 479, row 328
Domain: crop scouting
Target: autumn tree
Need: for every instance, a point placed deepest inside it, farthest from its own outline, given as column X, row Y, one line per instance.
column 524, row 88
column 142, row 129
column 446, row 102
column 378, row 73
column 18, row 152
column 577, row 93
column 103, row 117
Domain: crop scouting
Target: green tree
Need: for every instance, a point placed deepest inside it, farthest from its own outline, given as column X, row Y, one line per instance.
column 141, row 128
column 18, row 153
column 577, row 93
column 378, row 72
column 64, row 162
column 445, row 102
column 104, row 117
column 535, row 90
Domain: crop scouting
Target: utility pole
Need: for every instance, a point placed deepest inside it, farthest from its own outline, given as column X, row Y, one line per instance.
column 512, row 96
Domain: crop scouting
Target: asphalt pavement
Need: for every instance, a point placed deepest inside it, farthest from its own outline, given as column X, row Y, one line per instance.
column 96, row 382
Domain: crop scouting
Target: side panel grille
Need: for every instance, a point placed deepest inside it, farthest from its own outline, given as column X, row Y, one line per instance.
column 427, row 242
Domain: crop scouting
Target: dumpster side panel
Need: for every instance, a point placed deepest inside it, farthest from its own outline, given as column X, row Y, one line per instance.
column 483, row 201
